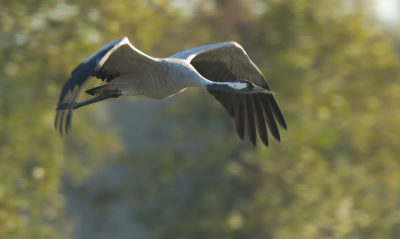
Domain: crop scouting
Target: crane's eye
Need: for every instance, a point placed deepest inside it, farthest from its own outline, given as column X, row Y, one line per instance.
column 249, row 85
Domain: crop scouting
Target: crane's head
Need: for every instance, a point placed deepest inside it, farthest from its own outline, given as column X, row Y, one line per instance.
column 246, row 87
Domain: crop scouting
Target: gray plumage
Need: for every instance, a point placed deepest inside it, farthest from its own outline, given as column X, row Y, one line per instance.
column 224, row 69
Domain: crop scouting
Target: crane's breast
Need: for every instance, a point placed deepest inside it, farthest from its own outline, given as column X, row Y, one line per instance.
column 159, row 83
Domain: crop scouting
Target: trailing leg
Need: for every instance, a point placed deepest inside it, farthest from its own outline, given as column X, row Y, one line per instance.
column 75, row 105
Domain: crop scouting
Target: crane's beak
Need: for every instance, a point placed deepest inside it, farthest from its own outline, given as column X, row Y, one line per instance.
column 263, row 91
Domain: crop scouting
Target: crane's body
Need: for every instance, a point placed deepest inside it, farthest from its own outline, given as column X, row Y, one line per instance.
column 224, row 69
column 177, row 76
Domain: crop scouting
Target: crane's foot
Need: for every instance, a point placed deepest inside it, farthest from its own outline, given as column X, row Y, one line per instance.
column 74, row 105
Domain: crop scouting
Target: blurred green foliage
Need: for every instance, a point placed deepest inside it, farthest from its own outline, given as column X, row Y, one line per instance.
column 336, row 173
column 40, row 43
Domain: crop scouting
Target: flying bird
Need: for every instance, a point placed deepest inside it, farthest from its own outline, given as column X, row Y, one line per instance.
column 223, row 69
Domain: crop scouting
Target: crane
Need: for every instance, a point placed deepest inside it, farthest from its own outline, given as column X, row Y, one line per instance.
column 224, row 69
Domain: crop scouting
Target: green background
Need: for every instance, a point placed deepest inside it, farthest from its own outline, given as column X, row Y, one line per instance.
column 336, row 173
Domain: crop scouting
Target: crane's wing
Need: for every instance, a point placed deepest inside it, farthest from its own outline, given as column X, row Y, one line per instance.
column 228, row 61
column 116, row 58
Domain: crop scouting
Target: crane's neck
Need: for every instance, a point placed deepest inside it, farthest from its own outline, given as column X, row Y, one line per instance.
column 232, row 86
column 224, row 86
column 188, row 76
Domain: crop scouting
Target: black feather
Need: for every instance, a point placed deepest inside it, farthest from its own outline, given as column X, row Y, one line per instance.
column 60, row 129
column 68, row 121
column 239, row 116
column 260, row 121
column 249, row 115
column 276, row 111
column 269, row 117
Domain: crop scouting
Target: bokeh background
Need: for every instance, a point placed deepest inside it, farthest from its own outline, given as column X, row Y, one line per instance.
column 144, row 169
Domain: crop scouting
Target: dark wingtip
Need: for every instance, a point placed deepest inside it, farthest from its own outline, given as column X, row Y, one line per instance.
column 277, row 112
column 240, row 132
column 249, row 117
column 62, row 122
column 239, row 118
column 60, row 129
column 62, row 106
column 259, row 118
column 68, row 122
column 269, row 117
column 282, row 123
column 56, row 120
column 278, row 136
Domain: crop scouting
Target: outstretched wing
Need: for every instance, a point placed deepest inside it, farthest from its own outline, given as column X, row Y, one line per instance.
column 116, row 58
column 228, row 61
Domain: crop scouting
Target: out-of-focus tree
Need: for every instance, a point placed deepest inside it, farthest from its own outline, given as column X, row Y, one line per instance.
column 41, row 41
column 336, row 173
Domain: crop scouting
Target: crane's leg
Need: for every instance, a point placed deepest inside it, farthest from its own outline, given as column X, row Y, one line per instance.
column 75, row 105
